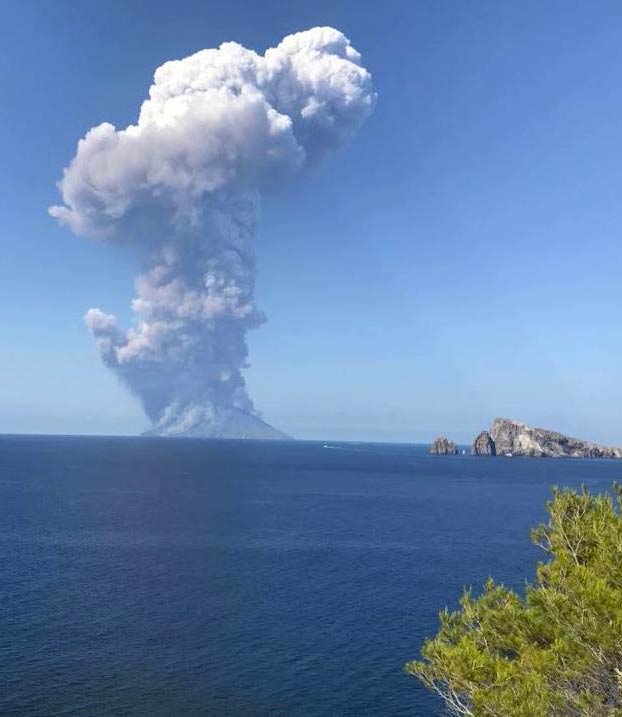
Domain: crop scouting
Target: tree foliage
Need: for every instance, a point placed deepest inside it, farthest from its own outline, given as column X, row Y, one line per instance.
column 557, row 651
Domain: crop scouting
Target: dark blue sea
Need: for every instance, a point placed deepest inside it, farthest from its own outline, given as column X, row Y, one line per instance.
column 184, row 577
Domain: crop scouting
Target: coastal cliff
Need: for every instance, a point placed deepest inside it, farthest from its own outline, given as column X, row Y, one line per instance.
column 444, row 447
column 507, row 437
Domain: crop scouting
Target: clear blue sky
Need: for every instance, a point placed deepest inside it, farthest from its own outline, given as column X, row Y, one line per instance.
column 460, row 260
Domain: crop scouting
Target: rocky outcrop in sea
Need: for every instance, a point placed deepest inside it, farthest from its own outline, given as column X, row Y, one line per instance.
column 483, row 445
column 512, row 438
column 444, row 447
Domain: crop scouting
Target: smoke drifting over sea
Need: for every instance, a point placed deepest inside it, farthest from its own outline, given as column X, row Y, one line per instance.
column 219, row 127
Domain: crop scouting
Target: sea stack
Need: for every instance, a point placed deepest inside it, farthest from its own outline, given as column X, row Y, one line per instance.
column 513, row 438
column 444, row 447
column 483, row 445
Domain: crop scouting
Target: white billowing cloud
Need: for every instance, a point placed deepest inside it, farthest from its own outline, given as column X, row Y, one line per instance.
column 184, row 181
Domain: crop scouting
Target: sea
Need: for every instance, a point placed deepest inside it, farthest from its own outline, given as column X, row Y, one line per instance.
column 146, row 576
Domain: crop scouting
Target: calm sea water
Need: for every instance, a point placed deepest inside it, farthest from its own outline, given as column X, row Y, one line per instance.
column 155, row 577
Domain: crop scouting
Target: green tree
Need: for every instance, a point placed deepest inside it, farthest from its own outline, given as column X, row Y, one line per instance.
column 557, row 651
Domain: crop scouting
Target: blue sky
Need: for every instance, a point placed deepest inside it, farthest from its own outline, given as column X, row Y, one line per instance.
column 460, row 260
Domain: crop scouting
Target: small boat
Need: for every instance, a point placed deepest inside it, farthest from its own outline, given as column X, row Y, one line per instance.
column 508, row 455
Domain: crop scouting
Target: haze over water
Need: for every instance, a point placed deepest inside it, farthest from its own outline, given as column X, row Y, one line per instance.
column 150, row 576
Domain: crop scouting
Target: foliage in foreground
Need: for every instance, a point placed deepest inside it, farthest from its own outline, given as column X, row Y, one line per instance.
column 557, row 652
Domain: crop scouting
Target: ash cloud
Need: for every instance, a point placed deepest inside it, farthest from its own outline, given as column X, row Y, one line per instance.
column 218, row 128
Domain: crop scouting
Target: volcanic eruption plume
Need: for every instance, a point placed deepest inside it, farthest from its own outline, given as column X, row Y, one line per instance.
column 218, row 128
